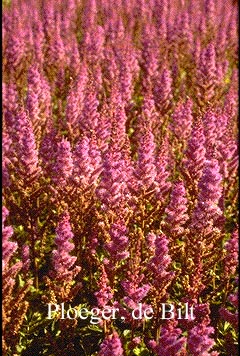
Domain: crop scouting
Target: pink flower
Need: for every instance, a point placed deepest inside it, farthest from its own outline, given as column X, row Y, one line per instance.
column 111, row 346
column 64, row 164
column 62, row 261
column 177, row 209
column 170, row 342
column 207, row 211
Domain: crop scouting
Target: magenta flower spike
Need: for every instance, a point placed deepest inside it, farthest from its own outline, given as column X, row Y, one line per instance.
column 134, row 290
column 9, row 269
column 104, row 294
column 15, row 49
column 207, row 73
column 117, row 247
column 210, row 11
column 163, row 90
column 10, row 105
column 195, row 153
column 158, row 265
column 112, row 187
column 170, row 343
column 146, row 169
column 26, row 261
column 177, row 209
column 82, row 162
column 56, row 54
column 63, row 166
column 163, row 174
column 90, row 115
column 231, row 259
column 28, row 153
column 111, row 346
column 207, row 211
column 62, row 261
column 149, row 56
column 7, row 154
column 182, row 120
column 9, row 247
column 96, row 160
column 200, row 340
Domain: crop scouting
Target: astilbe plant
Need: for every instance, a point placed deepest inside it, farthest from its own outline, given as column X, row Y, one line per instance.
column 111, row 346
column 170, row 342
column 14, row 305
column 63, row 270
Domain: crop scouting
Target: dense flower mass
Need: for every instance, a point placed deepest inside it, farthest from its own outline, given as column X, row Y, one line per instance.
column 120, row 186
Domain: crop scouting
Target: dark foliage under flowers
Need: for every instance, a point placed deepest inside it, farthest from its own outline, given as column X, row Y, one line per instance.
column 120, row 181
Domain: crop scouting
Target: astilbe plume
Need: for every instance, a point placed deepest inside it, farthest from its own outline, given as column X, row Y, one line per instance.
column 38, row 100
column 104, row 293
column 206, row 74
column 56, row 55
column 222, row 122
column 8, row 247
column 10, row 104
column 176, row 211
column 62, row 261
column 207, row 212
column 159, row 264
column 15, row 50
column 26, row 261
column 82, row 168
column 160, row 13
column 163, row 91
column 87, row 162
column 226, row 154
column 104, row 129
column 29, row 154
column 128, row 69
column 89, row 120
column 74, row 61
column 149, row 113
column 48, row 150
column 231, row 102
column 119, row 117
column 146, row 169
column 200, row 341
column 32, row 100
column 38, row 38
column 26, row 161
column 185, row 34
column 210, row 10
column 63, row 166
column 210, row 131
column 75, row 101
column 163, row 184
column 117, row 247
column 112, row 185
column 96, row 159
column 134, row 292
column 111, row 346
column 182, row 120
column 195, row 153
column 149, row 57
column 6, row 159
column 200, row 335
column 231, row 259
column 170, row 343
column 14, row 305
